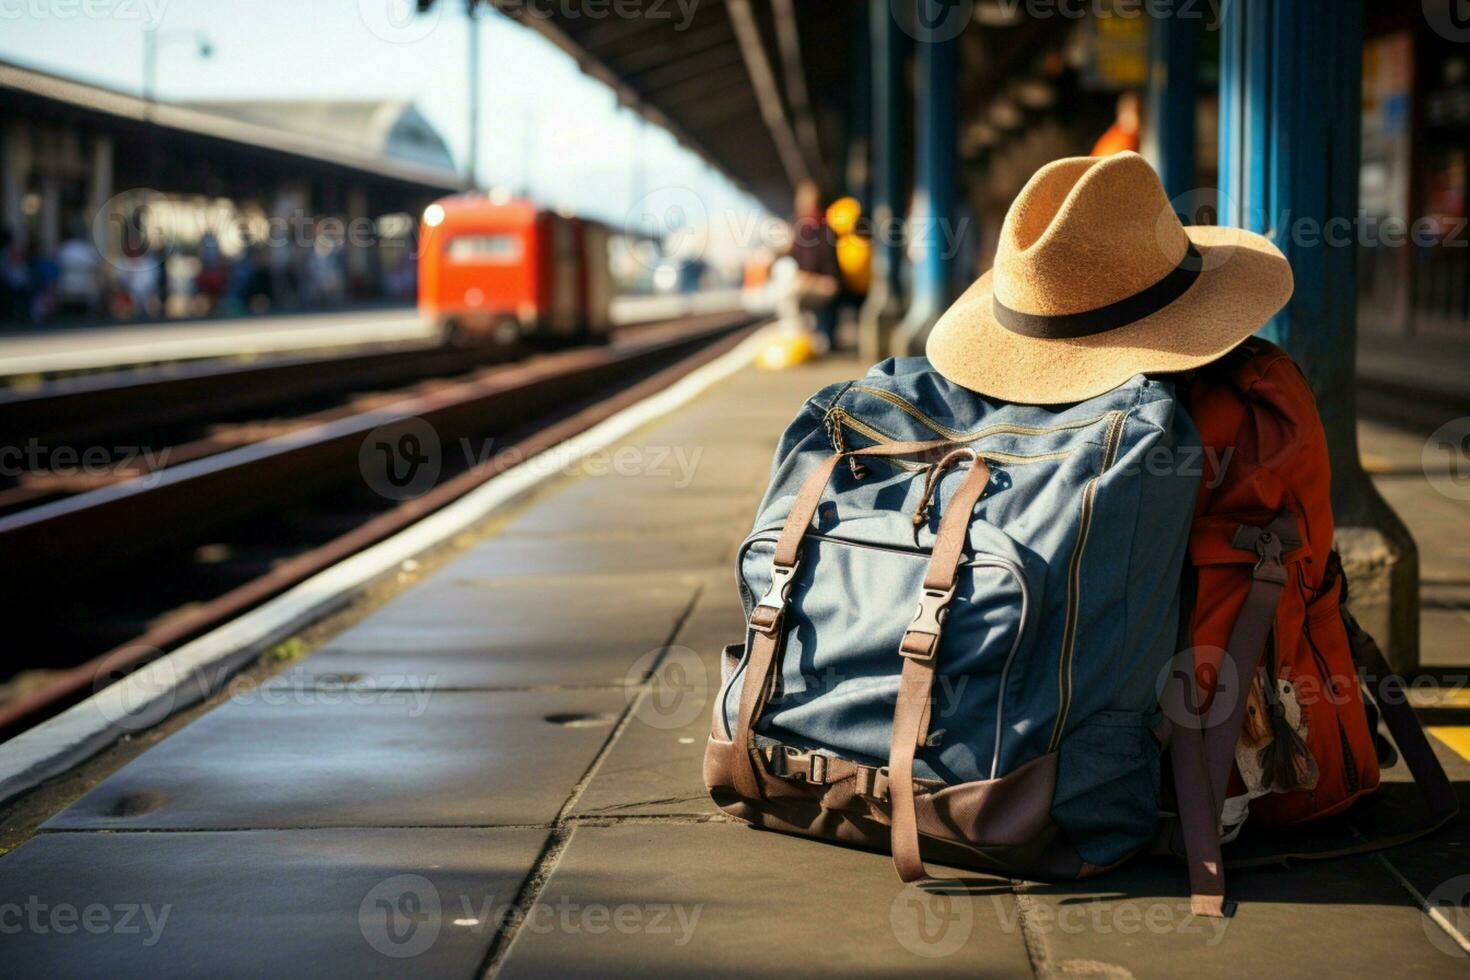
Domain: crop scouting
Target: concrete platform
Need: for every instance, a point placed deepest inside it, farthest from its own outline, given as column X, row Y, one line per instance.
column 498, row 772
column 1438, row 513
column 92, row 348
column 45, row 351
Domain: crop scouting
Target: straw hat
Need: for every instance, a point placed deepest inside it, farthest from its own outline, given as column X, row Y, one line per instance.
column 1096, row 280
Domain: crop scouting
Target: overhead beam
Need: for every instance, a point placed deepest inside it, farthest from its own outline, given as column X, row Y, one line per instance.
column 611, row 28
column 692, row 42
column 694, row 102
column 768, row 96
column 682, row 70
column 788, row 39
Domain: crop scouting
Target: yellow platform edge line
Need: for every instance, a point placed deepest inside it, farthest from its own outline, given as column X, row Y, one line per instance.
column 1456, row 737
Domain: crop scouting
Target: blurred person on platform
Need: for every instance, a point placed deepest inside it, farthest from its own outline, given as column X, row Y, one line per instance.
column 15, row 279
column 259, row 292
column 139, row 271
column 815, row 283
column 323, row 281
column 44, row 276
column 1123, row 133
column 79, row 287
column 854, row 255
column 213, row 278
column 401, row 279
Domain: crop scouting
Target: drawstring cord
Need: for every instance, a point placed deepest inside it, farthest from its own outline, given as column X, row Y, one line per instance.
column 931, row 482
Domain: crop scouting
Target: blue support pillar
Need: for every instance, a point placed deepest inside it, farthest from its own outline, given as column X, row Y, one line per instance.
column 1173, row 89
column 1290, row 104
column 933, row 234
column 856, row 172
column 883, row 306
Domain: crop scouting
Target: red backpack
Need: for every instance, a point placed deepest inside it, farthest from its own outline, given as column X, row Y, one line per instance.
column 1267, row 709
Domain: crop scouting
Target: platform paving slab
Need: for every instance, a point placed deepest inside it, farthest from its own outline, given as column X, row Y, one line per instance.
column 1438, row 864
column 586, row 506
column 1345, row 917
column 449, row 602
column 656, row 765
column 260, row 903
column 720, row 900
column 1436, row 507
column 589, row 556
column 458, row 633
column 449, row 758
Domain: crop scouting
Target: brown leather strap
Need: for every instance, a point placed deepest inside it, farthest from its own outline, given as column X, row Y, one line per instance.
column 920, row 649
column 1246, row 645
column 766, row 618
column 914, row 693
column 1197, row 831
column 753, row 694
column 1201, row 762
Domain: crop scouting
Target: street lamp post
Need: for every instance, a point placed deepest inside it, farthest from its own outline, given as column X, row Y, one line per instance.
column 472, row 164
column 153, row 38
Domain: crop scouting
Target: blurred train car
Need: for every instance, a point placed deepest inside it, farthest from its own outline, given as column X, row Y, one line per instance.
column 496, row 272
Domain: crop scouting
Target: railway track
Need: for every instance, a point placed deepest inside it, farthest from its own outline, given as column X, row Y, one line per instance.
column 101, row 579
column 94, row 406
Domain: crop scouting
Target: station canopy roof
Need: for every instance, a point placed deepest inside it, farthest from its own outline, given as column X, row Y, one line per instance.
column 762, row 88
column 758, row 89
column 54, row 96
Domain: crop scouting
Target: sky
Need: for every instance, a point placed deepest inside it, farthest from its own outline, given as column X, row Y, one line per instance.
column 542, row 121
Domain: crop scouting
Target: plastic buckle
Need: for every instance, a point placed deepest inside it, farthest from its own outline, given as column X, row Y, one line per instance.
column 766, row 615
column 929, row 619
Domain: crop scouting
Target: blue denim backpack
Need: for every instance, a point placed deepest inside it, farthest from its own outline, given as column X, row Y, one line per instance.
column 959, row 611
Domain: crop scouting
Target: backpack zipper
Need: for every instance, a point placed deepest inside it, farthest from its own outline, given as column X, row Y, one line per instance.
column 1074, row 576
column 939, row 428
column 839, row 417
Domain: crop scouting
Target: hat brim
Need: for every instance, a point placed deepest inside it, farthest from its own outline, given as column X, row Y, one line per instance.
column 1244, row 280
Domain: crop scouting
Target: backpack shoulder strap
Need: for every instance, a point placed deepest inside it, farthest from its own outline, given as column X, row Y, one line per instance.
column 1403, row 724
column 1247, row 643
column 920, row 649
column 1202, row 746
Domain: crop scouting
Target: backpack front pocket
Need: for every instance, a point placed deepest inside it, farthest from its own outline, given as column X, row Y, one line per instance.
column 839, row 694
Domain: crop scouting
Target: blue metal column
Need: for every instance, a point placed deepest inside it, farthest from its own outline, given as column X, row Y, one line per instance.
column 1290, row 104
column 933, row 233
column 883, row 305
column 1173, row 89
column 856, row 171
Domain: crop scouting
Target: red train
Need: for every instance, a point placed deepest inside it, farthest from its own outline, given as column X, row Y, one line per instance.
column 497, row 272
